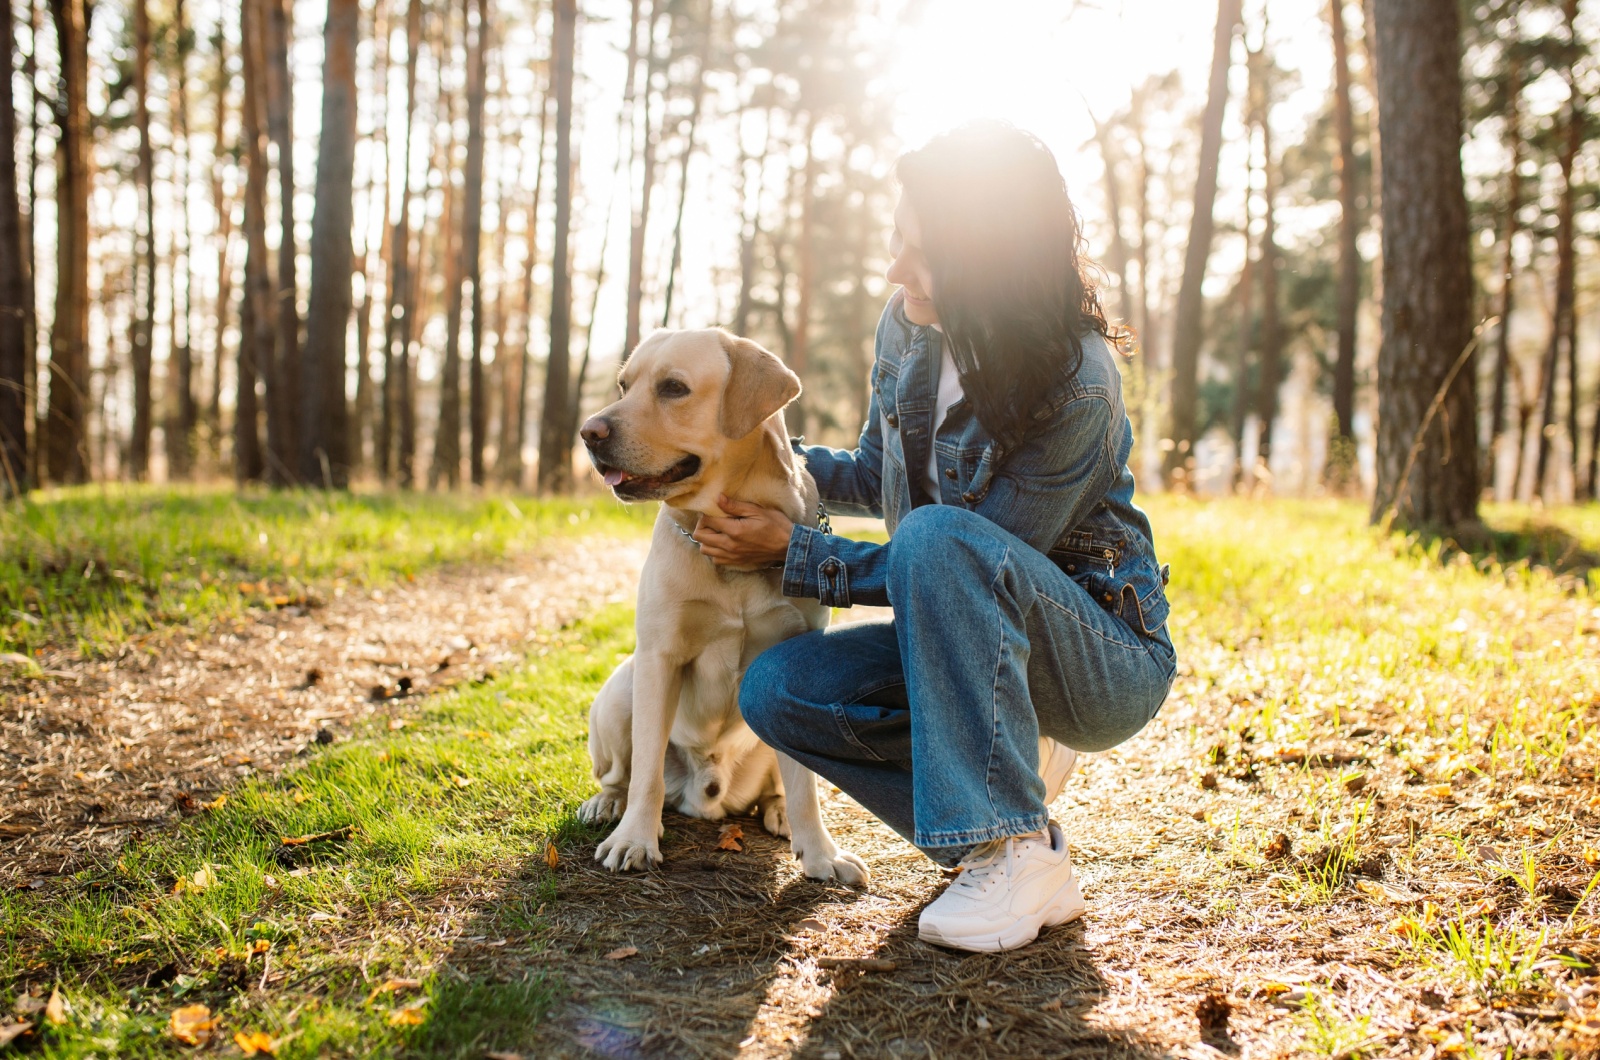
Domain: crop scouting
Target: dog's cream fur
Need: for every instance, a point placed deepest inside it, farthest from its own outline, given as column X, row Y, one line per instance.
column 701, row 415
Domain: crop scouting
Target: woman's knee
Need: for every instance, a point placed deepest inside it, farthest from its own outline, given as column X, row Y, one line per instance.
column 940, row 539
column 764, row 697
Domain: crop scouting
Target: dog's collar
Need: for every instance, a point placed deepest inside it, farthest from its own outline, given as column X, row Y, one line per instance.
column 822, row 524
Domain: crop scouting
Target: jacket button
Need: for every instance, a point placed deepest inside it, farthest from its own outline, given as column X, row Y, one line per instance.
column 950, row 473
column 1072, row 567
column 969, row 497
column 1107, row 598
column 894, row 421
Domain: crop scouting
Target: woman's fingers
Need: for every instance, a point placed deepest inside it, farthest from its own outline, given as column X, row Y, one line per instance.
column 736, row 507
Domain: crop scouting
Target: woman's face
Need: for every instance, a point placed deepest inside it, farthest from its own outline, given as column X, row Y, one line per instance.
column 909, row 268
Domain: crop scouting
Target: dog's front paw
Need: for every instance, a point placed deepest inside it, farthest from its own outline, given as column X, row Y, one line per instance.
column 606, row 806
column 623, row 850
column 831, row 863
column 775, row 817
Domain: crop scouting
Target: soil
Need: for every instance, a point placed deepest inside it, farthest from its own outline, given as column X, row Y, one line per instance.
column 102, row 750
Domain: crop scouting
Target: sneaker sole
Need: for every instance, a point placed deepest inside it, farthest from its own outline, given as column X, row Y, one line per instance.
column 1067, row 906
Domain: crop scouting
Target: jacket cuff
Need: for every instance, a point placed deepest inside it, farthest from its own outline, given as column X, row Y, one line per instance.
column 812, row 571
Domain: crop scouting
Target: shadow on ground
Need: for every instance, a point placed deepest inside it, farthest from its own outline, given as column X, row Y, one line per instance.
column 734, row 958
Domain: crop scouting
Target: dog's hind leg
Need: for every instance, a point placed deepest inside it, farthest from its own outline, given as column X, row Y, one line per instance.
column 611, row 746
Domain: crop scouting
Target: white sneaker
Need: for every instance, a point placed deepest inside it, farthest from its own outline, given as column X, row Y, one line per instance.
column 1056, row 763
column 1008, row 889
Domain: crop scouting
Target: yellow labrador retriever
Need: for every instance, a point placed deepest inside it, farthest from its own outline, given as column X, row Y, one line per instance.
column 701, row 414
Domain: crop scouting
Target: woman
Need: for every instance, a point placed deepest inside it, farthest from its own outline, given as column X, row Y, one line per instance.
column 1029, row 608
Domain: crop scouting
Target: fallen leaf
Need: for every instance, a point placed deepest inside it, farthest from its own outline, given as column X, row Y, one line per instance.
column 1209, row 780
column 460, row 781
column 860, row 964
column 333, row 836
column 496, row 1054
column 270, row 882
column 255, row 1042
column 1384, row 892
column 205, row 877
column 1438, row 791
column 1355, row 782
column 217, row 803
column 10, row 1032
column 389, row 986
column 300, row 797
column 1590, row 856
column 728, row 838
column 1274, row 989
column 551, row 857
column 410, row 1016
column 622, row 953
column 1485, row 852
column 56, row 1009
column 982, row 1023
column 810, row 924
column 27, row 1005
column 1483, row 907
column 1279, row 848
column 192, row 1024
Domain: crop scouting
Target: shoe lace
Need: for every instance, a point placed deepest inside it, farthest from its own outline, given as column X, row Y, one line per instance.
column 985, row 866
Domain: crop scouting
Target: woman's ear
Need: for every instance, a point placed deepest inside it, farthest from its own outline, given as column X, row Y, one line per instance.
column 759, row 384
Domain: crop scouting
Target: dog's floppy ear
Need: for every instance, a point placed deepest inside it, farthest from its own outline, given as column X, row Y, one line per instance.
column 759, row 384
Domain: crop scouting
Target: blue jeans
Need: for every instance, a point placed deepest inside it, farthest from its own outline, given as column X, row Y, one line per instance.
column 931, row 720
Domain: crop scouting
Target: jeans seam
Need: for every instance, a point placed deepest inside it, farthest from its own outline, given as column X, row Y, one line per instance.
column 1070, row 613
column 994, row 692
column 999, row 830
column 843, row 724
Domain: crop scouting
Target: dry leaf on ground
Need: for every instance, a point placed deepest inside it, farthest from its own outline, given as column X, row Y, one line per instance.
column 56, row 1009
column 390, row 986
column 409, row 1016
column 728, row 838
column 337, row 834
column 10, row 1032
column 496, row 1054
column 551, row 858
column 27, row 1005
column 255, row 1042
column 192, row 1024
column 622, row 953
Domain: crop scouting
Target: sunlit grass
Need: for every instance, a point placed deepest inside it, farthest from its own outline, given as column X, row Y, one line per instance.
column 93, row 566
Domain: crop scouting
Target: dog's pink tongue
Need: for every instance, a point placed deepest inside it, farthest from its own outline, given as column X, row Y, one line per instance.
column 613, row 477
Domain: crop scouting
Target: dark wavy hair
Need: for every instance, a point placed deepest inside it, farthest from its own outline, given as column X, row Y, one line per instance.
column 1012, row 285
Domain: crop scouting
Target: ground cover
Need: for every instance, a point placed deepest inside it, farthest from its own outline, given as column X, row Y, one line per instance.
column 1363, row 825
column 92, row 566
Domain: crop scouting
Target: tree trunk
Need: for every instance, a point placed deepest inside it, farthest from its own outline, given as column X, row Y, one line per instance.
column 183, row 413
column 66, row 433
column 224, row 212
column 144, row 272
column 1427, row 284
column 255, row 316
column 30, row 363
column 446, row 465
column 1271, row 328
column 510, row 463
column 375, row 197
column 1508, row 277
column 397, row 318
column 1564, row 328
column 1188, row 330
column 1110, row 161
column 13, row 296
column 683, row 175
column 1341, row 457
column 555, row 458
column 324, row 421
column 283, row 404
column 800, row 345
column 1247, row 279
column 641, row 218
column 477, row 76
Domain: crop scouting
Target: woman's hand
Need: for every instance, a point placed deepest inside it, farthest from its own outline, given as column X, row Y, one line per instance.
column 748, row 536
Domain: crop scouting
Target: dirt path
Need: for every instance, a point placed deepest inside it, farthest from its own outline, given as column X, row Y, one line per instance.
column 101, row 749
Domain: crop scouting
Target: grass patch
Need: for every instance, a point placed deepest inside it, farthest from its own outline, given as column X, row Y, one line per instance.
column 93, row 566
column 479, row 786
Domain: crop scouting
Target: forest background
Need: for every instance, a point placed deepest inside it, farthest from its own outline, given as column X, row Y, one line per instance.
column 408, row 241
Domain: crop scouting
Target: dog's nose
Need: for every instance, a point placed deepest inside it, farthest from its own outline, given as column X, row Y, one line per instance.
column 595, row 429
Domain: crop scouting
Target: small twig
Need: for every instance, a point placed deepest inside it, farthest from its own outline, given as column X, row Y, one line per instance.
column 860, row 964
column 1427, row 420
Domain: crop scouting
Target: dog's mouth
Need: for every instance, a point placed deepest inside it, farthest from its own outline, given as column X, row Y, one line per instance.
column 631, row 486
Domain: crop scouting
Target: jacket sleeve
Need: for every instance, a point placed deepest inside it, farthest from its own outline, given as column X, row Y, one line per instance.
column 850, row 481
column 1046, row 487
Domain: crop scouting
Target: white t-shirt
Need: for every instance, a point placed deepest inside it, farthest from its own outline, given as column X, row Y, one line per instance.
column 949, row 393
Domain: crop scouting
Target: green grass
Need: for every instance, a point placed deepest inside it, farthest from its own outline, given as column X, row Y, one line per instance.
column 485, row 776
column 1462, row 655
column 97, row 565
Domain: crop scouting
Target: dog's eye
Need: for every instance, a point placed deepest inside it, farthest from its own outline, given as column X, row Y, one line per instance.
column 671, row 388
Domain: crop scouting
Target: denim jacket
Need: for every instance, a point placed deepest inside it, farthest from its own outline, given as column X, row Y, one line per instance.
column 1066, row 490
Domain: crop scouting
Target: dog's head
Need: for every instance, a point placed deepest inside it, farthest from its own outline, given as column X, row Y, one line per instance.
column 687, row 396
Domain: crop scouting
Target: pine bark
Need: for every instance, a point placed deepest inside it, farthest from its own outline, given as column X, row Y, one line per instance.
column 1188, row 329
column 1427, row 303
column 555, row 459
column 394, row 414
column 510, row 463
column 255, row 315
column 13, row 295
column 1349, row 293
column 471, row 236
column 1509, row 227
column 66, row 435
column 1562, row 349
column 800, row 340
column 283, row 400
column 647, row 181
column 224, row 212
column 183, row 413
column 1271, row 322
column 324, row 433
column 144, row 276
column 446, row 465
